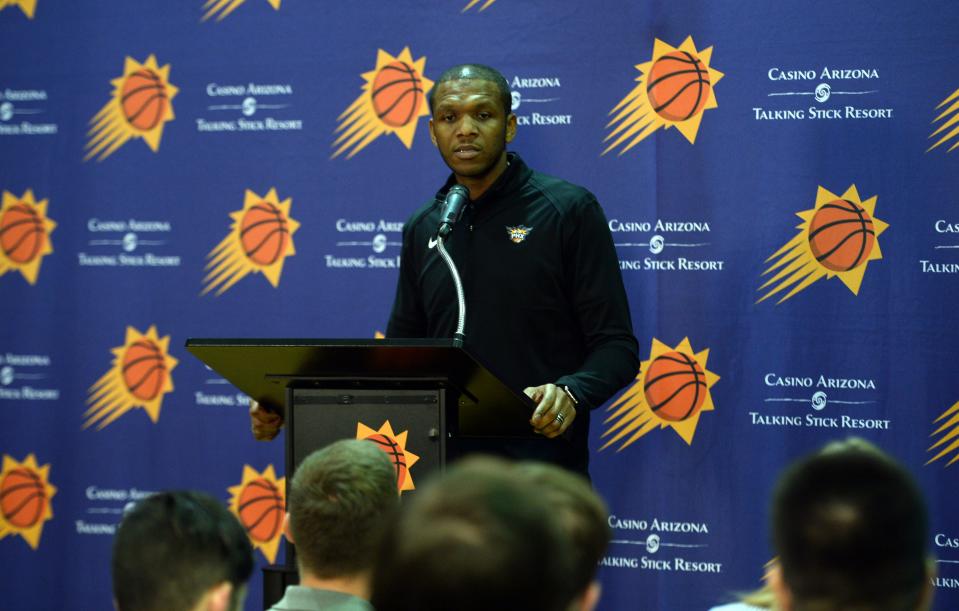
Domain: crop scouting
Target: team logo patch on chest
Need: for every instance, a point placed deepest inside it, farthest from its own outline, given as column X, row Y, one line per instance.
column 519, row 233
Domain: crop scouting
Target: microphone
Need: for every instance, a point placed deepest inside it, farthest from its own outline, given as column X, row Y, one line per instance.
column 456, row 199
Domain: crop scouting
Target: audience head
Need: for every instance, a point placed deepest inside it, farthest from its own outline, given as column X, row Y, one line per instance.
column 339, row 499
column 476, row 538
column 850, row 528
column 180, row 551
column 581, row 513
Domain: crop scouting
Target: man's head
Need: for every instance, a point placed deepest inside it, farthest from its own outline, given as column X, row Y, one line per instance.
column 180, row 550
column 339, row 499
column 471, row 123
column 581, row 514
column 850, row 528
column 476, row 538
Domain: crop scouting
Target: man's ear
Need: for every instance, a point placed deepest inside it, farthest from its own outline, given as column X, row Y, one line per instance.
column 287, row 531
column 780, row 590
column 432, row 134
column 218, row 598
column 510, row 127
column 591, row 596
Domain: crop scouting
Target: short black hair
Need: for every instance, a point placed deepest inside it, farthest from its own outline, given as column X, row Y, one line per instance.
column 476, row 538
column 174, row 546
column 581, row 512
column 340, row 498
column 850, row 527
column 477, row 72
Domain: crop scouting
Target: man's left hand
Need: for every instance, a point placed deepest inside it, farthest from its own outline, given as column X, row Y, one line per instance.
column 555, row 411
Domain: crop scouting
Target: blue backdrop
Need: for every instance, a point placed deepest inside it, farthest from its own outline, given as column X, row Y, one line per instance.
column 143, row 143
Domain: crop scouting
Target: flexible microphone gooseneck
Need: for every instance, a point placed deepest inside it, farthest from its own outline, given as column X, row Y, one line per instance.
column 456, row 199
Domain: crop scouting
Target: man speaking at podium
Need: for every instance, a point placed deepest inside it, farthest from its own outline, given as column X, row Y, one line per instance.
column 546, row 307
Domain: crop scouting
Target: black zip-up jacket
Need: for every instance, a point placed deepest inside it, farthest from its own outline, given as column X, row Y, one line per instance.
column 545, row 300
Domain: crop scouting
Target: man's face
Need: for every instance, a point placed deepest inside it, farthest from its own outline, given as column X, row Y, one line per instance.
column 470, row 127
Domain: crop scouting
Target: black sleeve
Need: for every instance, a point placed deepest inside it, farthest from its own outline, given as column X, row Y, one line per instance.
column 601, row 308
column 408, row 318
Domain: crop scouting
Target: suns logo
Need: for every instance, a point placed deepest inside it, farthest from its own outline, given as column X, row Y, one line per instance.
column 485, row 5
column 393, row 100
column 395, row 447
column 953, row 101
column 672, row 389
column 25, row 494
column 949, row 442
column 673, row 89
column 260, row 240
column 222, row 8
column 259, row 502
column 838, row 237
column 28, row 7
column 24, row 234
column 519, row 233
column 140, row 106
column 139, row 377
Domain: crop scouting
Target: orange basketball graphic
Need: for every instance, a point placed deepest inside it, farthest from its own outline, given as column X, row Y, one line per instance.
column 397, row 94
column 22, row 233
column 23, row 498
column 144, row 369
column 264, row 233
column 396, row 454
column 675, row 386
column 143, row 99
column 261, row 509
column 841, row 235
column 678, row 86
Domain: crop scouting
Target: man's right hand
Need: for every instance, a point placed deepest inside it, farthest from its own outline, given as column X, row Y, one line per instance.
column 266, row 424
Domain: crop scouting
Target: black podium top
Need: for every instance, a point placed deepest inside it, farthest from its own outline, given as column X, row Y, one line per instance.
column 265, row 368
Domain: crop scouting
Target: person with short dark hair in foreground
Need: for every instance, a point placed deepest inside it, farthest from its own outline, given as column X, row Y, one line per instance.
column 850, row 529
column 339, row 500
column 478, row 537
column 180, row 551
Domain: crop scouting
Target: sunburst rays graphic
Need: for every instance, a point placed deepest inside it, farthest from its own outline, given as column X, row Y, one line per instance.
column 395, row 448
column 25, row 498
column 673, row 89
column 953, row 101
column 138, row 378
column 222, row 8
column 259, row 241
column 483, row 5
column 259, row 502
column 839, row 236
column 672, row 389
column 28, row 7
column 141, row 104
column 24, row 234
column 949, row 442
column 393, row 100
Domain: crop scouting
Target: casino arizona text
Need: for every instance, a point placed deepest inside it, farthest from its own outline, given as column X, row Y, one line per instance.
column 771, row 379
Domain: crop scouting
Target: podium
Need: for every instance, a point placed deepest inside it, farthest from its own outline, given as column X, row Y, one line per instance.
column 326, row 389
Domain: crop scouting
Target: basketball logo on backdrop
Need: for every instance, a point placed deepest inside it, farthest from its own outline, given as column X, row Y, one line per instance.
column 24, row 234
column 838, row 237
column 28, row 7
column 139, row 377
column 673, row 89
column 260, row 240
column 952, row 112
column 948, row 432
column 483, row 5
column 259, row 502
column 25, row 493
column 395, row 448
column 221, row 8
column 672, row 389
column 140, row 106
column 393, row 100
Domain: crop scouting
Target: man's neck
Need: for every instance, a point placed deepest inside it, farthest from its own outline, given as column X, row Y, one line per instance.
column 357, row 584
column 479, row 186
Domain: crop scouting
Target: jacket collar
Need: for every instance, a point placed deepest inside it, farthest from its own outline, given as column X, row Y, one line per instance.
column 515, row 174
